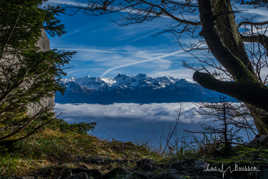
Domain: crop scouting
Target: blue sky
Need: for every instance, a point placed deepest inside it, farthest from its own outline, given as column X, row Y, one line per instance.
column 105, row 49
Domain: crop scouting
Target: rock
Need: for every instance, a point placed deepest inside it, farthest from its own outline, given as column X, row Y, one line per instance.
column 94, row 160
column 80, row 172
column 172, row 171
column 117, row 173
column 199, row 164
column 14, row 177
column 177, row 165
column 259, row 140
column 183, row 164
column 139, row 175
column 168, row 176
column 188, row 165
column 65, row 173
column 44, row 45
column 205, row 177
column 94, row 174
column 146, row 164
column 81, row 175
column 100, row 160
column 45, row 102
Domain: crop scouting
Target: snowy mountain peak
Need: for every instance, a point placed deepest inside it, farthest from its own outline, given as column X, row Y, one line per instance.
column 64, row 81
column 134, row 89
column 108, row 81
column 125, row 81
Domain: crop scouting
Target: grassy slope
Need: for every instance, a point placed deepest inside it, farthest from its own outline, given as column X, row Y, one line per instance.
column 58, row 146
column 51, row 148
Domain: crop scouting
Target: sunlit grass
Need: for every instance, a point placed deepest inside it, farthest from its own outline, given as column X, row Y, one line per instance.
column 54, row 147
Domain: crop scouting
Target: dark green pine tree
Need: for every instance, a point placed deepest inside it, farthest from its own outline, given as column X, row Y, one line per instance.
column 28, row 74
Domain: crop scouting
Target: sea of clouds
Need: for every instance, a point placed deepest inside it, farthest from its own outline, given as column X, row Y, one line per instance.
column 138, row 123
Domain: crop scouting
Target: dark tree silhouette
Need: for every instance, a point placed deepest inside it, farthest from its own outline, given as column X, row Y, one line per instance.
column 230, row 124
column 29, row 70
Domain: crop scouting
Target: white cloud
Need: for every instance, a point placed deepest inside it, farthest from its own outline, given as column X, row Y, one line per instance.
column 147, row 57
column 111, row 60
column 147, row 123
column 66, row 2
column 155, row 111
column 88, row 50
column 253, row 14
column 259, row 13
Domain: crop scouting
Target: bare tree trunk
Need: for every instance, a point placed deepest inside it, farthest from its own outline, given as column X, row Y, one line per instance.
column 260, row 119
column 221, row 34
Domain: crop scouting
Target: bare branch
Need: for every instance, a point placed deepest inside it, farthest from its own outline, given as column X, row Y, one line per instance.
column 252, row 23
column 165, row 11
column 262, row 39
column 252, row 93
column 27, row 123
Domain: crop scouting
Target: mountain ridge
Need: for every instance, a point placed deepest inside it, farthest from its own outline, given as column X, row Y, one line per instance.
column 134, row 89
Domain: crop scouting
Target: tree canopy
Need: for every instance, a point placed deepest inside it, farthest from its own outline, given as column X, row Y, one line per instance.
column 29, row 73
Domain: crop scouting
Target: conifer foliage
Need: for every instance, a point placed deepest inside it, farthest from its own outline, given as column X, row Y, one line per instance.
column 28, row 74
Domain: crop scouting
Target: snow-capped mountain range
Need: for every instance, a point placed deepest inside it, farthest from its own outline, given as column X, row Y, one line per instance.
column 134, row 89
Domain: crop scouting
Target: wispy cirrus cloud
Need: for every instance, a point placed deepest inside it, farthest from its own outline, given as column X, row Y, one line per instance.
column 147, row 59
column 110, row 61
column 89, row 50
column 249, row 11
column 70, row 3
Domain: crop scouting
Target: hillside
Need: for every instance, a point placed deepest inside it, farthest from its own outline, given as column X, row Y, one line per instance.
column 65, row 151
column 61, row 146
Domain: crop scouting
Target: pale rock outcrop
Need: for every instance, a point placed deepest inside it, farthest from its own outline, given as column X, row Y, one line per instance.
column 44, row 45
